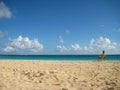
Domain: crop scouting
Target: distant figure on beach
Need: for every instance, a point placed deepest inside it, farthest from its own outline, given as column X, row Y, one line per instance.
column 103, row 56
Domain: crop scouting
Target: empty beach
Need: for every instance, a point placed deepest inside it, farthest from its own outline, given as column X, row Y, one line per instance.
column 59, row 75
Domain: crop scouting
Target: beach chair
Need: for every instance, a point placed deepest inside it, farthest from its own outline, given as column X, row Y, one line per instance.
column 101, row 57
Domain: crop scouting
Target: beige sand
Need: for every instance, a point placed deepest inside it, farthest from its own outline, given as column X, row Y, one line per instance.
column 54, row 75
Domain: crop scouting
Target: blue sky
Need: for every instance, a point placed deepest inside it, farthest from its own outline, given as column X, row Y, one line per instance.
column 59, row 26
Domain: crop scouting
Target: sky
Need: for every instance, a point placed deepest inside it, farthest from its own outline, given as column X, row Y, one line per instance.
column 59, row 26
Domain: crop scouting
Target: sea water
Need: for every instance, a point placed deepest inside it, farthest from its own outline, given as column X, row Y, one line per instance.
column 58, row 57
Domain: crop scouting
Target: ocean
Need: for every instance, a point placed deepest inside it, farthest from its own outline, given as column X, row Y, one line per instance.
column 59, row 57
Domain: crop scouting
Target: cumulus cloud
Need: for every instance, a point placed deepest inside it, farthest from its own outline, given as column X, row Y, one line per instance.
column 4, row 11
column 9, row 49
column 75, row 47
column 23, row 44
column 102, row 43
column 2, row 34
column 62, row 48
column 61, row 39
column 95, row 46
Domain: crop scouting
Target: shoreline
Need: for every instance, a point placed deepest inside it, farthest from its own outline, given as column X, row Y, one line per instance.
column 60, row 57
column 57, row 60
column 59, row 75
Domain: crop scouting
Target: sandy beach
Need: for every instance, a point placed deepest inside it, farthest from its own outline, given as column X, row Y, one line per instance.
column 59, row 75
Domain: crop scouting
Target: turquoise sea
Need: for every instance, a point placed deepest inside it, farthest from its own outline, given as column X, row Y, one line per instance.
column 58, row 57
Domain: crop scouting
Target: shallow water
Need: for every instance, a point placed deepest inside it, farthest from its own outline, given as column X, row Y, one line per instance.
column 59, row 57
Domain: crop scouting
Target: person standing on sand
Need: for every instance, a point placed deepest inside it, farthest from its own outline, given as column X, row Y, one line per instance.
column 103, row 56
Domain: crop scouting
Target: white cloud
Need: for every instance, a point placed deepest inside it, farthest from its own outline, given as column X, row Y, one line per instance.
column 62, row 48
column 23, row 44
column 61, row 39
column 4, row 11
column 2, row 34
column 75, row 47
column 95, row 46
column 9, row 49
column 102, row 43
